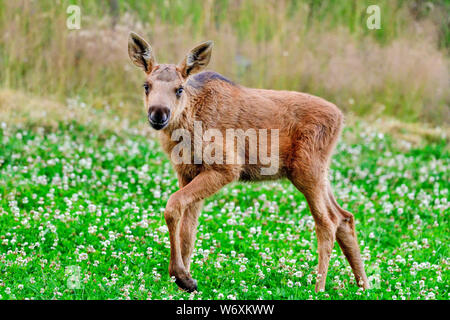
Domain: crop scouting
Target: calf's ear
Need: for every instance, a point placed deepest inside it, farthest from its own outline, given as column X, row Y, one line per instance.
column 196, row 59
column 140, row 52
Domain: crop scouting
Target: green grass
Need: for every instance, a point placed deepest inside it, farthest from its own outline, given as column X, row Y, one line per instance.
column 82, row 198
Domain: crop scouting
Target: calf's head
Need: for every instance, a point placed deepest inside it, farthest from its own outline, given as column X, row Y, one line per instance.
column 165, row 97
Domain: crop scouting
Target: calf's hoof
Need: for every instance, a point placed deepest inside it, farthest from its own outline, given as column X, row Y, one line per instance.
column 189, row 284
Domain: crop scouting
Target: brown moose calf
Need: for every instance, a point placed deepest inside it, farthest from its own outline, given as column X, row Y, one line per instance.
column 304, row 130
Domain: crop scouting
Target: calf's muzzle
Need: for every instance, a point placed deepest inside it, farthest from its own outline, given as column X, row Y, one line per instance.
column 158, row 116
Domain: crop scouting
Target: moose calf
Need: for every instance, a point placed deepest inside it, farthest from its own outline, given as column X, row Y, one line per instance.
column 308, row 127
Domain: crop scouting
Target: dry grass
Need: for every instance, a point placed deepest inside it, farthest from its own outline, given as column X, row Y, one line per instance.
column 26, row 110
column 414, row 133
column 404, row 134
column 407, row 76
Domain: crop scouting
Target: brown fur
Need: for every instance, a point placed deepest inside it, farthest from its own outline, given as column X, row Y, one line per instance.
column 309, row 128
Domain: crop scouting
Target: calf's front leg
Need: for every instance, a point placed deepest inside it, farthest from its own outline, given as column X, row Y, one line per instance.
column 202, row 186
column 188, row 231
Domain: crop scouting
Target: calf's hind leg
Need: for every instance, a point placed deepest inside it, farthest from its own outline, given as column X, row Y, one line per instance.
column 325, row 231
column 316, row 195
column 346, row 237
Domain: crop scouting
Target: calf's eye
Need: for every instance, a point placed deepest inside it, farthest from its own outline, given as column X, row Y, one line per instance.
column 146, row 88
column 179, row 92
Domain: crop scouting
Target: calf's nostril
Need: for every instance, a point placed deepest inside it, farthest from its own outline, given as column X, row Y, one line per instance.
column 154, row 116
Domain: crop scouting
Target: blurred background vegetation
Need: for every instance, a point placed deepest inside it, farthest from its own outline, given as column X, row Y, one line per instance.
column 320, row 47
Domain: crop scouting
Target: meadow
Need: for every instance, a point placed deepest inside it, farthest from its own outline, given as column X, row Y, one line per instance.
column 80, row 202
column 84, row 182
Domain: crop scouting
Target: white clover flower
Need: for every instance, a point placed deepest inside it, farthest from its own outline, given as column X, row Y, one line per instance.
column 83, row 256
column 92, row 208
column 431, row 296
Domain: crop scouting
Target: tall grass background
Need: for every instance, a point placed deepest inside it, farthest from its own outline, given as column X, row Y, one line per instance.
column 320, row 47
